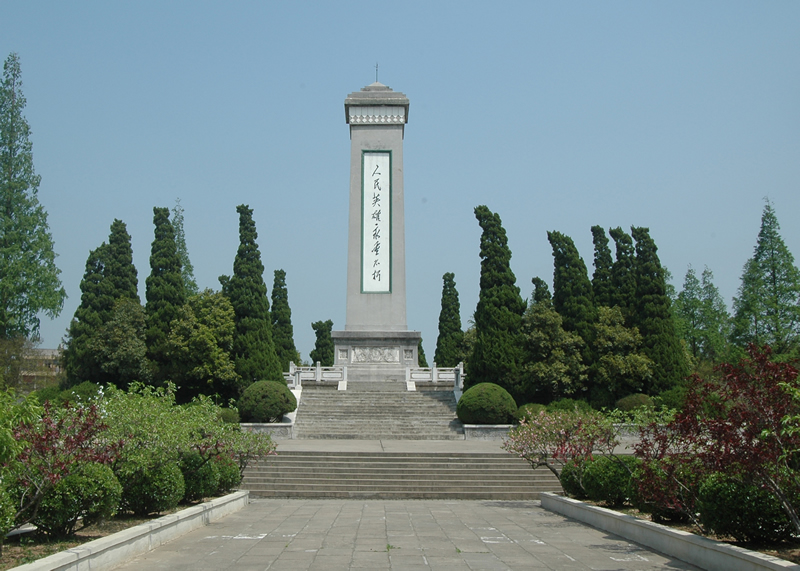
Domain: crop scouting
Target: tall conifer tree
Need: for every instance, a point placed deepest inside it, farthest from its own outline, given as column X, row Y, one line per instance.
column 540, row 291
column 165, row 292
column 253, row 349
column 622, row 276
column 323, row 346
column 767, row 307
column 119, row 270
column 282, row 330
column 29, row 278
column 449, row 343
column 602, row 288
column 702, row 318
column 80, row 363
column 422, row 361
column 654, row 318
column 187, row 270
column 572, row 291
column 497, row 354
column 109, row 277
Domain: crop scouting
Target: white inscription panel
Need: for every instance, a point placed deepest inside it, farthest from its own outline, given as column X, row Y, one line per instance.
column 376, row 218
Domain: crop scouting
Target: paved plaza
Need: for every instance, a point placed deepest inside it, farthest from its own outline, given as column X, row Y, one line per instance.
column 288, row 534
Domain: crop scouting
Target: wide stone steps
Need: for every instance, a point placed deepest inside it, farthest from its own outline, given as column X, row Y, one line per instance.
column 376, row 411
column 397, row 475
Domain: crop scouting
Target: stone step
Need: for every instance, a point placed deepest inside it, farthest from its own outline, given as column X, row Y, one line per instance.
column 394, row 495
column 397, row 475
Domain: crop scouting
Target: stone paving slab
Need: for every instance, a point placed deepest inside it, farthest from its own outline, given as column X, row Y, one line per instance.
column 399, row 535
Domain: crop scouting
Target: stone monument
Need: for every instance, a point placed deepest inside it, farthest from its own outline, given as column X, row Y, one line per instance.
column 376, row 344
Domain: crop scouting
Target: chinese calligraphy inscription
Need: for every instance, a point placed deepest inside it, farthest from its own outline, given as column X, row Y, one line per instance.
column 375, row 222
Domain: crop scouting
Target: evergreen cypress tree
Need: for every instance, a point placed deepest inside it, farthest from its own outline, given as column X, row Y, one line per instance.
column 654, row 318
column 767, row 307
column 422, row 361
column 622, row 277
column 253, row 349
column 323, row 347
column 449, row 343
column 602, row 288
column 497, row 353
column 80, row 363
column 110, row 276
column 572, row 291
column 120, row 272
column 164, row 292
column 187, row 270
column 540, row 291
column 282, row 330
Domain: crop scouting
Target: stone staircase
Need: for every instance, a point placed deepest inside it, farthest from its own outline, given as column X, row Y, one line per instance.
column 387, row 411
column 377, row 411
column 483, row 476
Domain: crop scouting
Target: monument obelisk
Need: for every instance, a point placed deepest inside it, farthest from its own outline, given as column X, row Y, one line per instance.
column 376, row 343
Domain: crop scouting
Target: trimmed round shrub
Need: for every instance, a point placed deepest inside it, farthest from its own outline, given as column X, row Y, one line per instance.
column 152, row 490
column 730, row 506
column 608, row 480
column 229, row 415
column 569, row 405
column 229, row 476
column 633, row 402
column 200, row 476
column 85, row 392
column 673, row 398
column 50, row 393
column 486, row 403
column 530, row 409
column 90, row 493
column 266, row 401
column 570, row 479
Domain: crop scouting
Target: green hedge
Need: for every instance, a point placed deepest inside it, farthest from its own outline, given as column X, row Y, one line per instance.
column 90, row 493
column 729, row 505
column 200, row 475
column 608, row 480
column 570, row 478
column 486, row 403
column 152, row 490
column 530, row 409
column 229, row 475
column 266, row 401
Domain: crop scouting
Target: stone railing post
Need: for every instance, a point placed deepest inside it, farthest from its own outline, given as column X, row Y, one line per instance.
column 459, row 371
column 434, row 374
column 318, row 373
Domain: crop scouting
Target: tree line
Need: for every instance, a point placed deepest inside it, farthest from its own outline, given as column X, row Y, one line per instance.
column 205, row 342
column 622, row 331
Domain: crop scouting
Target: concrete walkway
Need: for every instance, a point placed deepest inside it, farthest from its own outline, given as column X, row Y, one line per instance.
column 285, row 534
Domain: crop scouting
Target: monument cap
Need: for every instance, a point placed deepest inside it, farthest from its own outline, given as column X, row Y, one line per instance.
column 376, row 103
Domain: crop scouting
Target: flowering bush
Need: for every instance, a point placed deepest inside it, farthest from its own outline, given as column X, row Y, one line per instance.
column 52, row 447
column 554, row 438
column 741, row 424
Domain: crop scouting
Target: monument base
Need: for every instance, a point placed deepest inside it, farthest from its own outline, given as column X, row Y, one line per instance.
column 376, row 355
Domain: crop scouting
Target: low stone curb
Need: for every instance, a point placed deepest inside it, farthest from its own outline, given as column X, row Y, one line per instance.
column 688, row 547
column 486, row 431
column 113, row 550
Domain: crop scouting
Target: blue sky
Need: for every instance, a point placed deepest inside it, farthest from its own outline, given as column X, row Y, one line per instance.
column 678, row 116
